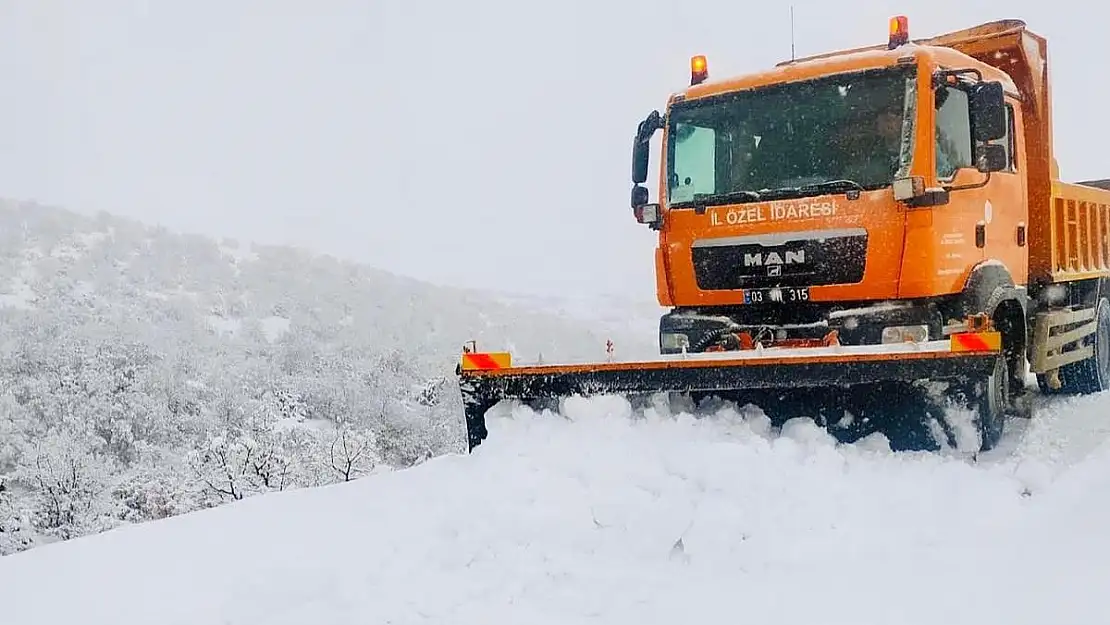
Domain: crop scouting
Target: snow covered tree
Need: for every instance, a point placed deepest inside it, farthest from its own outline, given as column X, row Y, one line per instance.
column 145, row 374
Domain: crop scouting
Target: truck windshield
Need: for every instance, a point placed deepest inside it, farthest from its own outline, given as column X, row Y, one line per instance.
column 787, row 140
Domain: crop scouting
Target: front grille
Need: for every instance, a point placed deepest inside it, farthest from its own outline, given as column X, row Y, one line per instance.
column 815, row 258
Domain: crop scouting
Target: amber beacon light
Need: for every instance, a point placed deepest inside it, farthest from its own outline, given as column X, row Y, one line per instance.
column 699, row 70
column 899, row 31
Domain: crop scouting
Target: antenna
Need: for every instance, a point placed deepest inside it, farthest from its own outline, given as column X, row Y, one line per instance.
column 792, row 32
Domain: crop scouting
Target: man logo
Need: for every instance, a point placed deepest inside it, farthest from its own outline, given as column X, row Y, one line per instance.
column 774, row 270
column 788, row 257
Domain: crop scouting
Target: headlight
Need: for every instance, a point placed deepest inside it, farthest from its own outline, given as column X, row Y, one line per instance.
column 674, row 341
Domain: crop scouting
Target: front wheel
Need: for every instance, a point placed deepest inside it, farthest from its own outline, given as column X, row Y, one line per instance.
column 989, row 398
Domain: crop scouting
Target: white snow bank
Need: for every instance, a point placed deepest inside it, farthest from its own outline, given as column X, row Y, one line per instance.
column 602, row 518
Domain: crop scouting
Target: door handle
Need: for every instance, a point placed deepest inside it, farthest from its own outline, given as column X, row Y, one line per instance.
column 981, row 234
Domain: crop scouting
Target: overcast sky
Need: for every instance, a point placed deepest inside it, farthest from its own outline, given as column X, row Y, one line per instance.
column 479, row 143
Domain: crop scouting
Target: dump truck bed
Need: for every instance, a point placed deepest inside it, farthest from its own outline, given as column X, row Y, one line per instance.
column 1079, row 230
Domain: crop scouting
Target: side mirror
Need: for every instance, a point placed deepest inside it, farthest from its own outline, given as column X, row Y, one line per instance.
column 639, row 196
column 642, row 144
column 988, row 111
column 992, row 157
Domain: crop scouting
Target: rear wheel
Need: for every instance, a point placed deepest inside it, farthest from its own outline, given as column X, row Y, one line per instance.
column 1092, row 375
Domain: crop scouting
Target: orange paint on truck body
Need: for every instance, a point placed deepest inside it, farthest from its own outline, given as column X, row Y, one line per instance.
column 873, row 213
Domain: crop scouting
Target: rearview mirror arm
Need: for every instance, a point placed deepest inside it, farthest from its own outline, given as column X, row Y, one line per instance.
column 974, row 185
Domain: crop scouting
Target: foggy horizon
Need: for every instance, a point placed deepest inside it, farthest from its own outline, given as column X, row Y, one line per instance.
column 482, row 145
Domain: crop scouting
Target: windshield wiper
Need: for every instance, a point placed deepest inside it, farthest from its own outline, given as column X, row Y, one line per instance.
column 845, row 185
column 703, row 200
column 833, row 185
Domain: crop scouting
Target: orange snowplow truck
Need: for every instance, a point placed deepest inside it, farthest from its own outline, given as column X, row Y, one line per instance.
column 884, row 215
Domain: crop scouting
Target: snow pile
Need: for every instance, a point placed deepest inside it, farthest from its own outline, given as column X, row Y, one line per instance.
column 605, row 516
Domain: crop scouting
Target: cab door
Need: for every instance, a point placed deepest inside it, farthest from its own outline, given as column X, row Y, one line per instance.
column 941, row 241
column 983, row 220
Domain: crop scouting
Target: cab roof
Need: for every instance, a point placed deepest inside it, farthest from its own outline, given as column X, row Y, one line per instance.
column 942, row 50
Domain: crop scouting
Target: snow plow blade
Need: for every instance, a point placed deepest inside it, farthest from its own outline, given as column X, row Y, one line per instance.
column 485, row 379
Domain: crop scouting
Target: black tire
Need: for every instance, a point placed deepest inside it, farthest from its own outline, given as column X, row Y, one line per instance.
column 1045, row 387
column 1091, row 375
column 990, row 398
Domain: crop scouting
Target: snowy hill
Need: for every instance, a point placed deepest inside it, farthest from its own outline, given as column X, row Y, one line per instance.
column 145, row 373
column 605, row 518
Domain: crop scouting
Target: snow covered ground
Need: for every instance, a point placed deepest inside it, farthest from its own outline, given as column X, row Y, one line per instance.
column 610, row 517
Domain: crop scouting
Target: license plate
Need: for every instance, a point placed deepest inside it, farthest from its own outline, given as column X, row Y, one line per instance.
column 777, row 295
